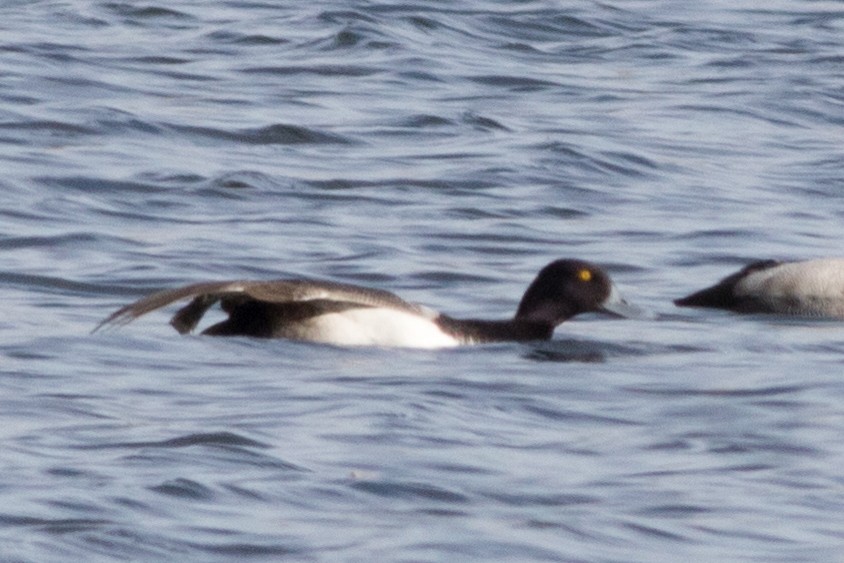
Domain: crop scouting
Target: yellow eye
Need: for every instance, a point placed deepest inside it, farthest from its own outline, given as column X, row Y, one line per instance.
column 584, row 275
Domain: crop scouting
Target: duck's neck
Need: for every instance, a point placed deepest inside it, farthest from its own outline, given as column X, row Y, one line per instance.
column 478, row 331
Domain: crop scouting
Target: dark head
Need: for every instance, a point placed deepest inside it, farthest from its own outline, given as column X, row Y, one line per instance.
column 566, row 288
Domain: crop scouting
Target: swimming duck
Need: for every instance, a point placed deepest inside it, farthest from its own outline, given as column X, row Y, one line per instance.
column 342, row 314
column 810, row 288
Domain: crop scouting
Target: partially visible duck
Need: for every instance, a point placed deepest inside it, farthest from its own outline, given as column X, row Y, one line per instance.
column 342, row 314
column 811, row 288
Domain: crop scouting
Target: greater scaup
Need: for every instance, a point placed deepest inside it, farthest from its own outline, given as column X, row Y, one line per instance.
column 810, row 288
column 343, row 314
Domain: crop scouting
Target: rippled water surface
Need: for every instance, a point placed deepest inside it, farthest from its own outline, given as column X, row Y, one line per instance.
column 444, row 151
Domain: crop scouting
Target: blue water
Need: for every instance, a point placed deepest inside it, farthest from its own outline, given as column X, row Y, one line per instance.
column 444, row 151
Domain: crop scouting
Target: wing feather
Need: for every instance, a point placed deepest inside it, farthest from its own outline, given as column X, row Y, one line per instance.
column 275, row 291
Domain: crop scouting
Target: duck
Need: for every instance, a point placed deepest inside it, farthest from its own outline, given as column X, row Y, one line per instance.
column 810, row 288
column 349, row 315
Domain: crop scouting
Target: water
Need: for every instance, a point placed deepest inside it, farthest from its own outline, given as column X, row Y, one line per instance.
column 445, row 152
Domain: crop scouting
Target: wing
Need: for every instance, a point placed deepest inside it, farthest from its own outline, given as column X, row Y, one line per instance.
column 206, row 294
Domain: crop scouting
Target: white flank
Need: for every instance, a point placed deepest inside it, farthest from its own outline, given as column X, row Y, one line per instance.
column 372, row 326
column 813, row 287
